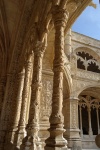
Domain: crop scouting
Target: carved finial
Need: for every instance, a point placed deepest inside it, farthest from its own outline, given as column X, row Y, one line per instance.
column 93, row 4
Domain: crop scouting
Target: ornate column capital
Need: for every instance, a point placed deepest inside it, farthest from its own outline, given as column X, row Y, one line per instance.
column 60, row 16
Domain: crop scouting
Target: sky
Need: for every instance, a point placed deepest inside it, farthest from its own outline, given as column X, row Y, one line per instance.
column 88, row 23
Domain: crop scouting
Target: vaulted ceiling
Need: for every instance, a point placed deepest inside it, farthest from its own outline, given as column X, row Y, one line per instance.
column 16, row 17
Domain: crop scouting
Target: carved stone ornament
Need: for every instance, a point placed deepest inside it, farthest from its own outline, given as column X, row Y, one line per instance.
column 71, row 6
column 60, row 16
column 45, row 109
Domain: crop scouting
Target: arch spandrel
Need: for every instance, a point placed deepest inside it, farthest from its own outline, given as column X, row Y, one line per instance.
column 79, row 86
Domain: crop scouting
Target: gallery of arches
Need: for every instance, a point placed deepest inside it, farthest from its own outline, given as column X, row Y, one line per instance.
column 49, row 77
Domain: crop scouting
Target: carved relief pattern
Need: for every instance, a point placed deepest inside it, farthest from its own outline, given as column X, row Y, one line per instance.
column 74, row 116
column 46, row 99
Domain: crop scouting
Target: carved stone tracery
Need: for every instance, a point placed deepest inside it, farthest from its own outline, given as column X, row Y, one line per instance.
column 89, row 102
column 85, row 61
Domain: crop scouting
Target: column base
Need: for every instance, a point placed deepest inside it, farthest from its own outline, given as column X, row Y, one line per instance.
column 19, row 135
column 56, row 139
column 73, row 137
column 74, row 143
column 31, row 143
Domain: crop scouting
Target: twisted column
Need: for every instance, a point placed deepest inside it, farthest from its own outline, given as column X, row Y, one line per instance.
column 60, row 17
column 22, row 122
column 31, row 141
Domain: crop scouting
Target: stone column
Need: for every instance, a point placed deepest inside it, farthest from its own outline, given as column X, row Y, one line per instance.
column 31, row 141
column 10, row 112
column 72, row 124
column 4, row 120
column 80, row 109
column 21, row 132
column 15, row 111
column 89, row 120
column 97, row 111
column 56, row 140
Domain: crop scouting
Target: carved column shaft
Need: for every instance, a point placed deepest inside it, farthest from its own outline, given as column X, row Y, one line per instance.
column 58, row 72
column 36, row 85
column 22, row 122
column 18, row 99
column 5, row 114
column 26, row 89
column 33, row 123
column 60, row 17
column 15, row 109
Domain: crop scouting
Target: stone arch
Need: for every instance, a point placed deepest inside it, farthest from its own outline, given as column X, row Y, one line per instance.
column 88, row 50
column 86, row 87
column 89, row 112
